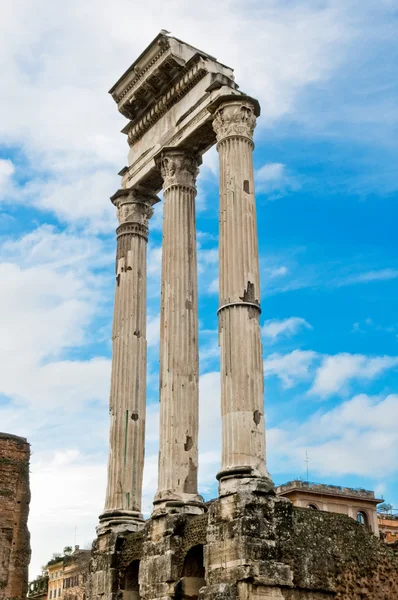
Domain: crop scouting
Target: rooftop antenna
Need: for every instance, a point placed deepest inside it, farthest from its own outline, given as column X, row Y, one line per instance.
column 307, row 460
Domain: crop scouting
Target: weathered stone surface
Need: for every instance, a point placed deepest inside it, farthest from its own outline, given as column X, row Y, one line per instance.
column 330, row 552
column 242, row 379
column 255, row 546
column 179, row 351
column 128, row 380
column 14, row 510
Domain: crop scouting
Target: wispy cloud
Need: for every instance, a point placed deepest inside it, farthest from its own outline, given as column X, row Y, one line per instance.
column 275, row 181
column 273, row 329
column 329, row 374
column 337, row 372
column 347, row 439
column 291, row 368
column 369, row 276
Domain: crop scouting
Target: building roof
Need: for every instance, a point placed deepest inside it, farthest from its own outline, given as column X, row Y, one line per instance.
column 326, row 490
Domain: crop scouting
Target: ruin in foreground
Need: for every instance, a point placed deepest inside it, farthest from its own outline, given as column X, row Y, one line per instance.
column 247, row 543
column 14, row 510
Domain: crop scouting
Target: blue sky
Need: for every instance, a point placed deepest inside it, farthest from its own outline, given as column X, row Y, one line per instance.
column 326, row 177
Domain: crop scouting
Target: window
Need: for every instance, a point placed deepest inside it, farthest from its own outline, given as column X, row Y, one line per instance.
column 312, row 507
column 51, row 594
column 362, row 518
column 59, row 591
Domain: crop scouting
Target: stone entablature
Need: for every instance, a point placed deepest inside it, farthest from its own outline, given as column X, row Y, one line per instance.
column 166, row 95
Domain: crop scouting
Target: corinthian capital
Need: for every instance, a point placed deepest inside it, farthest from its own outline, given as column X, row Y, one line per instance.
column 178, row 167
column 235, row 118
column 134, row 205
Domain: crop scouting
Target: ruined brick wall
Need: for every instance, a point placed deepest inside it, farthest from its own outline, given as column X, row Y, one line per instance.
column 14, row 510
column 334, row 554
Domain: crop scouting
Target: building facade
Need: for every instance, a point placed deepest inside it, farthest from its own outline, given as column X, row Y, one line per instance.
column 388, row 527
column 67, row 576
column 38, row 589
column 55, row 570
column 358, row 504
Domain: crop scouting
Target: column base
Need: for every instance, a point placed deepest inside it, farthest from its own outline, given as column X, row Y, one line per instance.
column 243, row 478
column 168, row 503
column 119, row 521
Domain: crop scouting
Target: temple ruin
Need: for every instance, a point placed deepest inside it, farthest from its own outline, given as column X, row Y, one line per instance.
column 247, row 543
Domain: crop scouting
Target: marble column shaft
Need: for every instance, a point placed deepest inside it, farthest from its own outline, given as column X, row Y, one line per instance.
column 128, row 379
column 242, row 382
column 179, row 362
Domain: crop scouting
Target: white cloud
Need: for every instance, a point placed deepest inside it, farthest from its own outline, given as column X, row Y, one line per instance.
column 358, row 437
column 213, row 286
column 70, row 126
column 68, row 493
column 274, row 180
column 7, row 169
column 272, row 272
column 153, row 330
column 369, row 276
column 291, row 368
column 338, row 371
column 329, row 374
column 273, row 329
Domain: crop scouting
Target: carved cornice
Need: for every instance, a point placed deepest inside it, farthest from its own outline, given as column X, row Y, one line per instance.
column 237, row 118
column 178, row 168
column 180, row 88
column 146, row 71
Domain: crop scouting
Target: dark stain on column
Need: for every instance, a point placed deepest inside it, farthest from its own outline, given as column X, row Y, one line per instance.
column 257, row 417
column 191, row 478
column 188, row 444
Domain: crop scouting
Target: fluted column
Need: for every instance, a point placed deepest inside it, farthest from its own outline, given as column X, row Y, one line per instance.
column 179, row 364
column 242, row 382
column 129, row 347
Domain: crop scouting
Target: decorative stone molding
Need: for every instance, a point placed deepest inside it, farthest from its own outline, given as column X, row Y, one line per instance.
column 236, row 118
column 140, row 74
column 187, row 81
column 178, row 168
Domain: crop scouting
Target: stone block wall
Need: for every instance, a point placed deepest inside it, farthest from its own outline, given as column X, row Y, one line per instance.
column 251, row 546
column 333, row 553
column 14, row 510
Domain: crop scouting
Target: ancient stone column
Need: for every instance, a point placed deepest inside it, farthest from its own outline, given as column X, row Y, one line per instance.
column 242, row 382
column 179, row 364
column 128, row 379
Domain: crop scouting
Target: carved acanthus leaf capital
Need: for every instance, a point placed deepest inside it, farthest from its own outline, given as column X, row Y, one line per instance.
column 236, row 118
column 178, row 167
column 134, row 206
